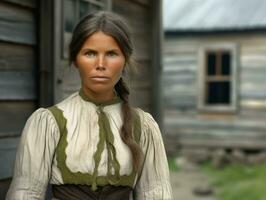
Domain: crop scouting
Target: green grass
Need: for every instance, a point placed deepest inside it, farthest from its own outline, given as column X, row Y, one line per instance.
column 238, row 182
column 172, row 164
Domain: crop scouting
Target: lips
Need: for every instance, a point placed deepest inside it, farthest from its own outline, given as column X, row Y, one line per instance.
column 100, row 78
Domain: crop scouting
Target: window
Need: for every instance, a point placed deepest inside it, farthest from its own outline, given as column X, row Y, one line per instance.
column 73, row 11
column 217, row 78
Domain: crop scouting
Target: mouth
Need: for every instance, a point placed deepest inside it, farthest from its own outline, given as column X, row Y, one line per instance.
column 100, row 78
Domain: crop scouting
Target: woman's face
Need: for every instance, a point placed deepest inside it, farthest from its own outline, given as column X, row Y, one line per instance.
column 100, row 63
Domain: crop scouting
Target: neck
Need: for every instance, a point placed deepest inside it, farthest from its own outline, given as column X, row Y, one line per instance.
column 98, row 97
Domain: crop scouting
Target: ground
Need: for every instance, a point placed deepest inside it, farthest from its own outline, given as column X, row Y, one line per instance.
column 188, row 179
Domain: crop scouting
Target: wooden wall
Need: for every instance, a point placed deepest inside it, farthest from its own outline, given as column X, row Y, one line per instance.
column 246, row 128
column 18, row 72
column 139, row 15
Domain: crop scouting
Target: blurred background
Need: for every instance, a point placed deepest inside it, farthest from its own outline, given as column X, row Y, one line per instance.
column 214, row 94
column 200, row 71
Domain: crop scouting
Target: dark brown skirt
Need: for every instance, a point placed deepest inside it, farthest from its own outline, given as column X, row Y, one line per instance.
column 84, row 192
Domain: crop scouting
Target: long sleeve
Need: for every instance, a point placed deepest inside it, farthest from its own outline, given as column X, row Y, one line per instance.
column 34, row 157
column 153, row 182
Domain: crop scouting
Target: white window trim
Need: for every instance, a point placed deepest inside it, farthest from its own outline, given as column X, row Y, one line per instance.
column 202, row 77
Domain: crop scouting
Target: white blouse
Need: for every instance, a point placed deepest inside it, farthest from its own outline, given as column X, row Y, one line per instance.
column 36, row 164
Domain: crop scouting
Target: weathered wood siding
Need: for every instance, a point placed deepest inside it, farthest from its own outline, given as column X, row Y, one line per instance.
column 139, row 15
column 18, row 73
column 246, row 128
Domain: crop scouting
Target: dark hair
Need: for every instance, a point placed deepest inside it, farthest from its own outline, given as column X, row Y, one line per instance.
column 113, row 25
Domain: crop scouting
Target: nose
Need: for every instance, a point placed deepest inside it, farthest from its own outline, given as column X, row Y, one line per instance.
column 101, row 63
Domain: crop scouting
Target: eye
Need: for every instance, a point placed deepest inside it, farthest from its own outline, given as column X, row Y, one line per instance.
column 90, row 53
column 111, row 53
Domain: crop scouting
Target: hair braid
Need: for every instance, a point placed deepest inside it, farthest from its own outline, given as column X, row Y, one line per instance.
column 126, row 130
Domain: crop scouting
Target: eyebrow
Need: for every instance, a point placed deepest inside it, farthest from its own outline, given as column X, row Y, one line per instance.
column 89, row 49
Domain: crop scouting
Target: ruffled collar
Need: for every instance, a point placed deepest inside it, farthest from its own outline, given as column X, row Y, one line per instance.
column 115, row 100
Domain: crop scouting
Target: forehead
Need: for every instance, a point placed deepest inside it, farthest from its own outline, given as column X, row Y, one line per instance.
column 100, row 39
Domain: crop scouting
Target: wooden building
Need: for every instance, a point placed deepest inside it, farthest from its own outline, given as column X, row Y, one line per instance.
column 34, row 69
column 214, row 74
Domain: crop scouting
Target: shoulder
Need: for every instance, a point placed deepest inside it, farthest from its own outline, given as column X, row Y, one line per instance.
column 50, row 114
column 41, row 124
column 41, row 116
column 151, row 136
column 69, row 101
column 148, row 123
column 40, row 113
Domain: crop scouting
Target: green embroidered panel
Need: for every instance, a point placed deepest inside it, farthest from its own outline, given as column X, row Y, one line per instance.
column 106, row 136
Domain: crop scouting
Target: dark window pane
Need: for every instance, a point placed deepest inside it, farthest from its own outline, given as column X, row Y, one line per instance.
column 70, row 15
column 211, row 63
column 218, row 92
column 226, row 63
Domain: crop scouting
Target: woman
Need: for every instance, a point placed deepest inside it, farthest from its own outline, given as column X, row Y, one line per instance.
column 93, row 145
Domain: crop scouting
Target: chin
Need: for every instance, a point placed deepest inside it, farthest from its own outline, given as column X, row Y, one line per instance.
column 100, row 89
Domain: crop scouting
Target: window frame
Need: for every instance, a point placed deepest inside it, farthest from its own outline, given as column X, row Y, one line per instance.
column 202, row 75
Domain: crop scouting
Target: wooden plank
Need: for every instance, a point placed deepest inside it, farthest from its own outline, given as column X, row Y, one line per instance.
column 48, row 15
column 142, row 2
column 17, row 25
column 253, row 61
column 255, row 95
column 251, row 48
column 174, row 113
column 13, row 117
column 70, row 80
column 253, row 74
column 226, row 143
column 136, row 14
column 180, row 102
column 136, row 77
column 17, row 85
column 172, row 88
column 225, row 122
column 180, row 68
column 254, row 104
column 179, row 80
column 141, row 47
column 27, row 3
column 8, row 149
column 16, row 57
column 253, row 86
column 175, row 78
column 215, row 133
column 140, row 98
column 177, row 69
column 181, row 59
column 181, row 46
column 139, row 20
column 252, row 111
